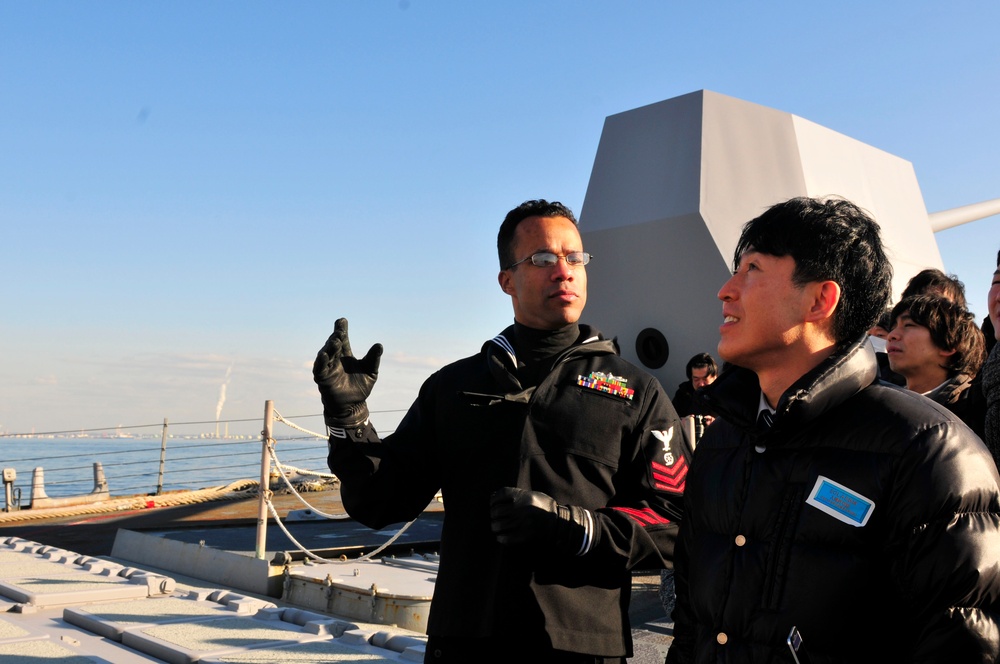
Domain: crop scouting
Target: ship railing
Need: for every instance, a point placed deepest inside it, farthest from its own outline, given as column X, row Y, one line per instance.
column 269, row 455
column 215, row 461
column 87, row 465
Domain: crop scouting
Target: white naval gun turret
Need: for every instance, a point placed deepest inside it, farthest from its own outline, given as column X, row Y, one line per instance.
column 674, row 182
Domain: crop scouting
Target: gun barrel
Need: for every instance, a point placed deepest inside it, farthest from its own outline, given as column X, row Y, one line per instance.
column 962, row 215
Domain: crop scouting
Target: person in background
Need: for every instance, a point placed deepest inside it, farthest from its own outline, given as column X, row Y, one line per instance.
column 930, row 280
column 933, row 280
column 989, row 333
column 935, row 344
column 701, row 370
column 823, row 506
column 880, row 330
column 877, row 336
column 989, row 375
column 988, row 328
column 561, row 466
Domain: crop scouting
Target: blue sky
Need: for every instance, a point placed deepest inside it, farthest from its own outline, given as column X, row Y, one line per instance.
column 192, row 192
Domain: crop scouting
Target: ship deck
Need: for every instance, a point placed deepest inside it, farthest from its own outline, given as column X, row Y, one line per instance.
column 183, row 584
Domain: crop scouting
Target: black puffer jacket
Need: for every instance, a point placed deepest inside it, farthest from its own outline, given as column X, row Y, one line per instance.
column 474, row 429
column 962, row 395
column 868, row 517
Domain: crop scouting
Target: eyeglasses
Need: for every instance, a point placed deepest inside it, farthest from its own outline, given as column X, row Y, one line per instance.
column 549, row 259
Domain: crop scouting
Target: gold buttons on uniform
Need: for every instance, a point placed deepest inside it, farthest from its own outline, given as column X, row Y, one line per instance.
column 740, row 540
column 721, row 638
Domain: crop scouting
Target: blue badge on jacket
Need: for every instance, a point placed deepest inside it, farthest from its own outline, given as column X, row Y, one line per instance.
column 840, row 502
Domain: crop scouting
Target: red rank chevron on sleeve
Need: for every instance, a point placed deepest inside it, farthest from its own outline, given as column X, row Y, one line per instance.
column 646, row 517
column 670, row 478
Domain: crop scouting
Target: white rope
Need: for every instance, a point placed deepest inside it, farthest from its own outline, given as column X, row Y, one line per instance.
column 291, row 487
column 387, row 543
column 277, row 519
column 278, row 417
column 312, row 473
column 302, row 471
column 310, row 554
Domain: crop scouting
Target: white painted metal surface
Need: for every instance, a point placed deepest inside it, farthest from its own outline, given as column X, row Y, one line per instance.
column 674, row 182
column 72, row 609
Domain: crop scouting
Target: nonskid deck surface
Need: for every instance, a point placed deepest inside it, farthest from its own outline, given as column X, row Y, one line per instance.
column 60, row 606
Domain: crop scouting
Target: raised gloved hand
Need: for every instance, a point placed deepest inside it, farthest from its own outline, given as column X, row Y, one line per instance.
column 345, row 381
column 519, row 516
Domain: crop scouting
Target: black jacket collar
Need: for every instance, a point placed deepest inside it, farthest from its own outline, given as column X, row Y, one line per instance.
column 500, row 358
column 735, row 394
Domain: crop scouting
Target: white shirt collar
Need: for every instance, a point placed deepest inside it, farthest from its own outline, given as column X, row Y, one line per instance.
column 763, row 405
column 935, row 388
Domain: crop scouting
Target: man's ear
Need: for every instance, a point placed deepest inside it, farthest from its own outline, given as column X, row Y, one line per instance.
column 946, row 354
column 825, row 296
column 504, row 279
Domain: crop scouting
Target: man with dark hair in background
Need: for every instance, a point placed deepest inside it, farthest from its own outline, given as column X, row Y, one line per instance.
column 989, row 375
column 560, row 464
column 701, row 370
column 930, row 280
column 935, row 344
column 825, row 511
column 876, row 337
column 933, row 280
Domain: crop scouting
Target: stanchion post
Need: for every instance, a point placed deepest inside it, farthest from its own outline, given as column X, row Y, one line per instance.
column 265, row 480
column 163, row 459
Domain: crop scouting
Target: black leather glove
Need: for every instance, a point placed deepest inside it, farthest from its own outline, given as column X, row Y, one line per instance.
column 345, row 381
column 519, row 516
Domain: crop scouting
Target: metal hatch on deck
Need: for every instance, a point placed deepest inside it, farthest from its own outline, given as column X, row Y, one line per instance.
column 386, row 591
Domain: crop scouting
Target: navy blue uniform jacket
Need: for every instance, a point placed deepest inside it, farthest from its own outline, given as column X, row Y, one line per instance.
column 597, row 432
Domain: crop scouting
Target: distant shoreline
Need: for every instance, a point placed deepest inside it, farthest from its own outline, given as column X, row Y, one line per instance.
column 135, row 436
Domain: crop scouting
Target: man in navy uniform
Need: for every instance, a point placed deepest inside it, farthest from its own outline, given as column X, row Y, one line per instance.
column 560, row 464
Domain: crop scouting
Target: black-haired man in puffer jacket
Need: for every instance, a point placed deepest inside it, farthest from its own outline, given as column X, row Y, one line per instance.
column 829, row 517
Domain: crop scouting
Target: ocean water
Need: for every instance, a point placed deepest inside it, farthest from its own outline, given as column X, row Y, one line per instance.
column 132, row 465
